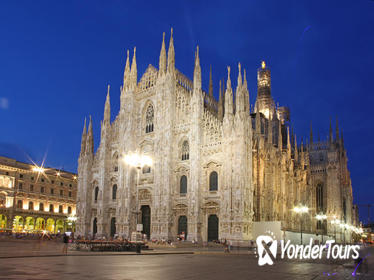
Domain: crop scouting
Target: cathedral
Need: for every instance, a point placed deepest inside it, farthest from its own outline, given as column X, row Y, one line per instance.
column 217, row 167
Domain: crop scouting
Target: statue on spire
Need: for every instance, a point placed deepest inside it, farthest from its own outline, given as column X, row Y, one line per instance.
column 162, row 60
column 197, row 71
column 126, row 73
column 210, row 82
column 171, row 54
column 107, row 108
column 134, row 72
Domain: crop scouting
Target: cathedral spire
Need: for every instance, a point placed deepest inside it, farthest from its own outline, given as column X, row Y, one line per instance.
column 280, row 139
column 162, row 60
column 330, row 132
column 311, row 133
column 133, row 72
column 220, row 102
column 126, row 73
column 246, row 94
column 107, row 108
column 295, row 148
column 302, row 161
column 84, row 136
column 288, row 142
column 337, row 131
column 239, row 98
column 210, row 82
column 197, row 71
column 89, row 140
column 171, row 54
column 229, row 106
column 239, row 76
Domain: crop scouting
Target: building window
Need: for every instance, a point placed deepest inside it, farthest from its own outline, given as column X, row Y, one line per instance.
column 185, row 151
column 52, row 191
column 60, row 209
column 50, row 207
column 146, row 169
column 344, row 211
column 213, row 181
column 19, row 204
column 52, row 182
column 42, row 189
column 61, row 192
column 319, row 197
column 70, row 185
column 41, row 207
column 69, row 210
column 32, row 178
column 96, row 193
column 20, row 186
column 115, row 168
column 31, row 188
column 69, row 194
column 42, row 179
column 31, row 205
column 21, row 175
column 183, row 185
column 149, row 119
column 114, row 192
column 61, row 184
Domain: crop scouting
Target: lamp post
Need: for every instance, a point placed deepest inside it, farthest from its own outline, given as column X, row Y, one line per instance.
column 321, row 218
column 138, row 161
column 301, row 210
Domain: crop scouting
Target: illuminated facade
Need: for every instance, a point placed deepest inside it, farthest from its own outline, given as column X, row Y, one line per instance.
column 33, row 199
column 218, row 166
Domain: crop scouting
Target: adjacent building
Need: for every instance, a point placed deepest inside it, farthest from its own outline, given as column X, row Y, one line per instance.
column 34, row 199
column 218, row 166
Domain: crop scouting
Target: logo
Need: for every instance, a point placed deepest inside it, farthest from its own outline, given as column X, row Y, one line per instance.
column 266, row 250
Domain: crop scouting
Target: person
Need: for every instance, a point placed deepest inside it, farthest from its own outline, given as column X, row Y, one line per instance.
column 65, row 239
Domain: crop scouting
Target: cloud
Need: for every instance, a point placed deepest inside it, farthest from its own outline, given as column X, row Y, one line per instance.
column 4, row 103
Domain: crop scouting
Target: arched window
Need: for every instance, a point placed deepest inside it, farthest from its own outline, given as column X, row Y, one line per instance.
column 319, row 197
column 31, row 205
column 96, row 193
column 149, row 117
column 60, row 209
column 50, row 207
column 213, row 181
column 69, row 210
column 20, row 204
column 185, row 151
column 41, row 207
column 114, row 192
column 183, row 185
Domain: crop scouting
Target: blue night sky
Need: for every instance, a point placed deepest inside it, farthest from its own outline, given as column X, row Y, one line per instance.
column 56, row 61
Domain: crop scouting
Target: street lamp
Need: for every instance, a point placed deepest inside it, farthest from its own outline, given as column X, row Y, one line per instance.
column 301, row 210
column 321, row 218
column 138, row 161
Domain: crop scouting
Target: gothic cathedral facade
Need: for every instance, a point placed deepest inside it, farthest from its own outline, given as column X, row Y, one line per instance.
column 218, row 166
